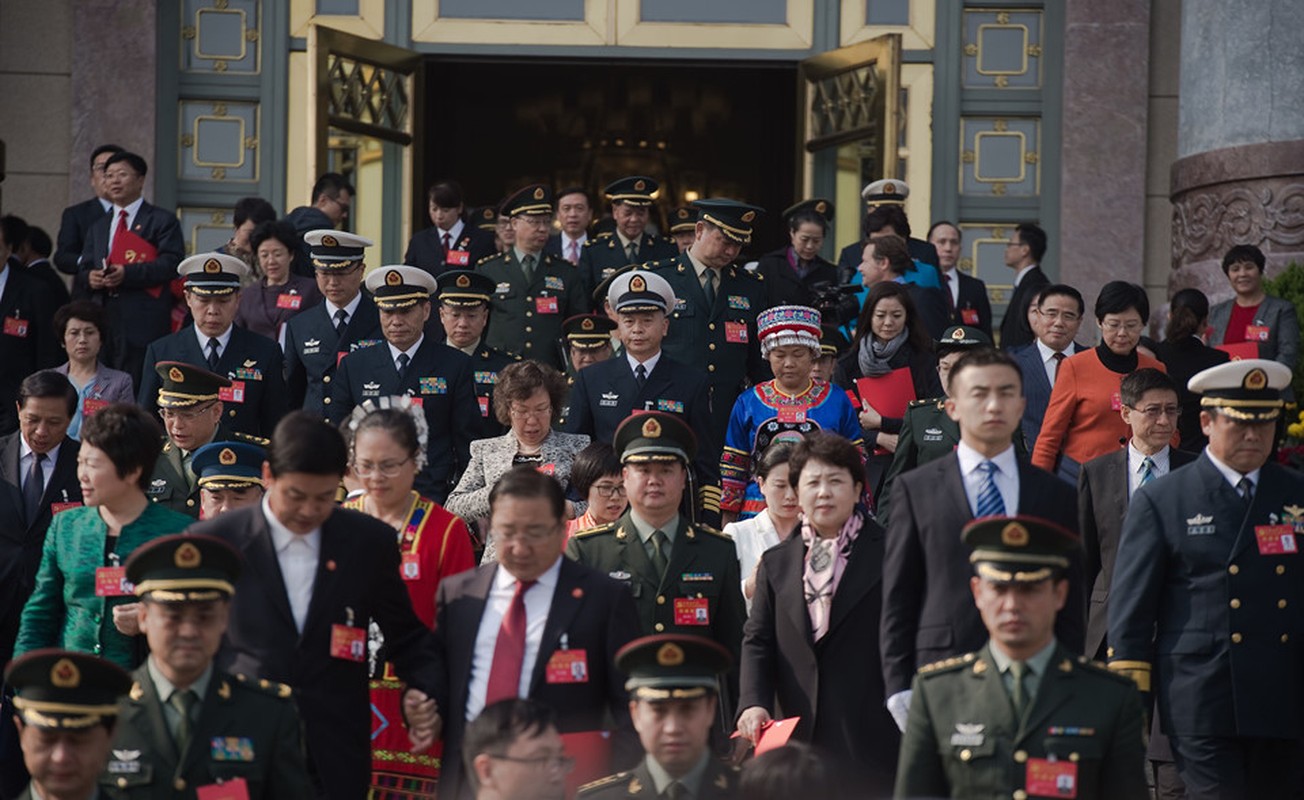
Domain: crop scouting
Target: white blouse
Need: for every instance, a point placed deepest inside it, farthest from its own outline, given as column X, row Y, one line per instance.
column 751, row 538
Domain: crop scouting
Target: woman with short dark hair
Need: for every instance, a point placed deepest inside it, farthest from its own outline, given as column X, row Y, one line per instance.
column 280, row 295
column 822, row 664
column 1184, row 353
column 1253, row 316
column 81, row 600
column 596, row 475
column 82, row 333
column 1082, row 420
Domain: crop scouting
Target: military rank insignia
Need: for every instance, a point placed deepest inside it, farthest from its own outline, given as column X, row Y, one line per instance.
column 672, row 406
column 433, row 386
column 231, row 748
column 553, row 283
column 486, row 377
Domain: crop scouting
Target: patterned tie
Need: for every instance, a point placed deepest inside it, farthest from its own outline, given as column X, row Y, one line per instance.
column 1059, row 359
column 527, row 266
column 1019, row 693
column 708, row 286
column 403, row 360
column 990, row 502
column 34, row 488
column 183, row 701
column 1245, row 487
column 573, row 252
column 213, row 345
column 1147, row 470
column 509, row 650
column 631, row 250
column 341, row 320
column 660, row 544
column 640, row 375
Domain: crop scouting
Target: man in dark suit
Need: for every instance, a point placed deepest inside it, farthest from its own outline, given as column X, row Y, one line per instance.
column 40, row 461
column 28, row 341
column 643, row 378
column 435, row 376
column 13, row 596
column 928, row 612
column 332, row 198
column 1057, row 317
column 314, row 575
column 535, row 624
column 1023, row 254
column 631, row 204
column 118, row 271
column 76, row 222
column 35, row 255
column 256, row 399
column 450, row 243
column 574, row 214
column 885, row 193
column 317, row 339
column 966, row 296
column 1207, row 588
column 463, row 297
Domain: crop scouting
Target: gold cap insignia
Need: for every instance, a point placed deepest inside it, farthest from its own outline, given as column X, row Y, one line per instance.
column 640, row 185
column 227, row 457
column 670, row 655
column 651, row 429
column 330, row 241
column 463, row 281
column 212, row 265
column 1014, row 535
column 821, row 207
column 749, row 216
column 586, row 325
column 889, row 188
column 958, row 334
column 489, row 213
column 637, row 284
column 176, row 375
column 1255, row 379
column 65, row 675
column 538, row 193
column 682, row 213
column 187, row 556
column 393, row 278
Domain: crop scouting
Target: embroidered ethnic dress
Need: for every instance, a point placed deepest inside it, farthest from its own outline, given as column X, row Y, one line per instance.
column 764, row 415
column 434, row 544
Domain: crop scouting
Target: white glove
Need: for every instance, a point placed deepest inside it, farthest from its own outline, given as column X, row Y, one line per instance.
column 898, row 705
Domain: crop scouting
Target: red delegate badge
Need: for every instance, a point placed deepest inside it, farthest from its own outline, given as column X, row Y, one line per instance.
column 290, row 301
column 457, row 258
column 1046, row 778
column 410, row 569
column 348, row 643
column 969, row 316
column 792, row 415
column 233, row 789
column 735, row 332
column 1253, row 333
column 112, row 582
column 55, row 508
column 484, row 406
column 568, row 666
column 16, row 327
column 1276, row 540
column 92, row 404
column 692, row 611
column 546, row 305
column 233, row 393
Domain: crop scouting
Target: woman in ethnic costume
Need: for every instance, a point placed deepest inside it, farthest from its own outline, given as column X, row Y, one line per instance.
column 388, row 451
column 786, row 408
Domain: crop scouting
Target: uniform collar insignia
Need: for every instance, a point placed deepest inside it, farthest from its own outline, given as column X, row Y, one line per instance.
column 634, row 786
column 224, row 691
column 1294, row 511
column 1066, row 665
column 136, row 691
column 722, row 781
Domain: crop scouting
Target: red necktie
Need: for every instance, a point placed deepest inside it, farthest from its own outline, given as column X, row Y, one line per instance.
column 448, row 243
column 509, row 651
column 950, row 301
column 122, row 224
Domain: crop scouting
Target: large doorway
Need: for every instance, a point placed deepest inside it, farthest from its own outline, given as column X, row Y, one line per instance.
column 701, row 128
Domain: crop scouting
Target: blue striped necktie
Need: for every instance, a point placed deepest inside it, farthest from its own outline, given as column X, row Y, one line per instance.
column 990, row 502
column 1147, row 470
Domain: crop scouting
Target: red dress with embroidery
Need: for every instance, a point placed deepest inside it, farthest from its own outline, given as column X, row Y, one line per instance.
column 434, row 544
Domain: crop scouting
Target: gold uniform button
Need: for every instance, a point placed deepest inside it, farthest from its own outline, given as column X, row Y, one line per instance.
column 529, row 313
column 1020, row 756
column 1236, row 603
column 1285, row 637
column 528, row 329
column 122, row 783
column 1233, row 569
column 1281, row 603
column 179, row 784
column 1236, row 638
column 1074, row 757
column 326, row 400
column 659, row 627
column 711, row 326
column 710, row 367
column 1281, row 569
column 661, row 600
column 711, row 346
column 190, row 503
column 1019, row 794
column 326, row 379
column 966, row 754
column 231, row 413
column 528, row 345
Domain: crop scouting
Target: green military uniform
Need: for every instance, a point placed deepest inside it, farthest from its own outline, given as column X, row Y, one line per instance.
column 527, row 313
column 602, row 257
column 232, row 728
column 669, row 668
column 984, row 725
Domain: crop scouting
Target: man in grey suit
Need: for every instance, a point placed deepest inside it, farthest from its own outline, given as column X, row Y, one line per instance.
column 1253, row 315
column 1056, row 318
column 928, row 610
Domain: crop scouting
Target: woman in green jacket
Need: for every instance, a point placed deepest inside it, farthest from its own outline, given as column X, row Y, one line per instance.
column 81, row 600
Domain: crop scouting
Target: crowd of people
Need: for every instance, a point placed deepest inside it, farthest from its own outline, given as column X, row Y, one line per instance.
column 606, row 507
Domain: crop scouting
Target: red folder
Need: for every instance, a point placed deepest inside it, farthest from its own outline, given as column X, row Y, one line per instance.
column 889, row 394
column 592, row 753
column 1240, row 350
column 776, row 733
column 128, row 249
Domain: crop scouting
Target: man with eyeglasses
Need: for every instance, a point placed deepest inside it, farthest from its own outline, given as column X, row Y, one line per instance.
column 533, row 624
column 1055, row 317
column 317, row 339
column 513, row 751
column 533, row 290
column 77, row 219
column 631, row 206
column 1023, row 254
column 332, row 199
column 408, row 362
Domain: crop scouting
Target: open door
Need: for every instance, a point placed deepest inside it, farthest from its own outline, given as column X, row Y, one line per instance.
column 850, row 104
column 365, row 126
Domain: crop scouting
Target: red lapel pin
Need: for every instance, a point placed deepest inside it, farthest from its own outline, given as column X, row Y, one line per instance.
column 577, row 592
column 330, row 565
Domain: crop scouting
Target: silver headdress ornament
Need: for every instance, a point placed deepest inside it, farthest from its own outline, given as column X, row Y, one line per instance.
column 398, row 403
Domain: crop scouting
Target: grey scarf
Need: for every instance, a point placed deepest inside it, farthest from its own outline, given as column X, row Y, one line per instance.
column 874, row 354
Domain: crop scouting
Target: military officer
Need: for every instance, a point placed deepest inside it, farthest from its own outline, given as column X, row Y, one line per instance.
column 230, row 476
column 587, row 341
column 644, row 378
column 682, row 222
column 317, row 339
column 67, row 709
column 673, row 684
column 533, row 291
column 631, row 206
column 683, row 575
column 713, row 327
column 1023, row 717
column 885, row 192
column 463, row 297
column 1204, row 604
column 187, row 726
column 434, row 375
column 832, row 345
column 189, row 400
column 256, row 399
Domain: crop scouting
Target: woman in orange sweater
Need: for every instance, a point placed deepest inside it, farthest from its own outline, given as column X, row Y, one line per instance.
column 1083, row 420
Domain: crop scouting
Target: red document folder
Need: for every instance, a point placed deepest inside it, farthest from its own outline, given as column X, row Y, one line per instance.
column 128, row 249
column 889, row 394
column 1240, row 350
column 592, row 753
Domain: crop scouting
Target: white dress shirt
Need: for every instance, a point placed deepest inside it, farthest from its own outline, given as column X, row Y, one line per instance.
column 4, row 278
column 648, row 365
column 1232, row 476
column 452, row 234
column 394, row 352
column 538, row 599
column 132, row 210
column 298, row 555
column 349, row 310
column 25, row 462
column 567, row 242
column 1006, row 476
column 952, row 280
column 1135, row 460
column 222, row 340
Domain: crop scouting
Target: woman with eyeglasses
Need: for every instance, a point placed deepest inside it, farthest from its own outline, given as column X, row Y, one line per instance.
column 596, row 475
column 1083, row 418
column 388, row 448
column 528, row 397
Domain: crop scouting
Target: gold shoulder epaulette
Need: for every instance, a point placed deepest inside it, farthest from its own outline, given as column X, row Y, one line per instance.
column 606, row 528
column 947, row 664
column 487, row 258
column 273, row 688
column 251, row 439
column 917, row 403
column 601, row 782
column 708, row 529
